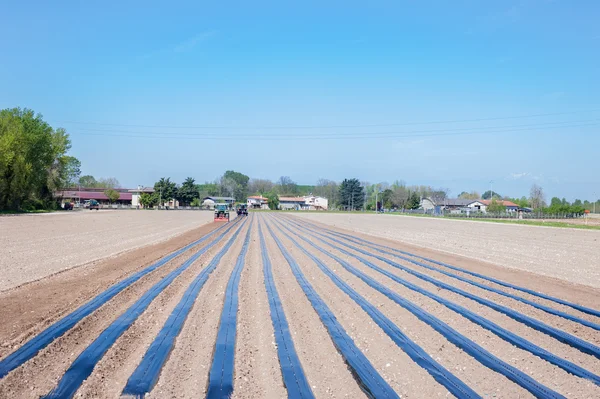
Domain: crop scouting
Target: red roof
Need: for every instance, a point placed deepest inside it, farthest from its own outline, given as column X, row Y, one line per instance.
column 501, row 202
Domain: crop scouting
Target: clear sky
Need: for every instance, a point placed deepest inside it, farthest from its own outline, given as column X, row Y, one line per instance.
column 374, row 90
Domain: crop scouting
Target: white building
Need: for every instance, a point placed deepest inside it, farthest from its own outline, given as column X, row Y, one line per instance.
column 257, row 202
column 315, row 202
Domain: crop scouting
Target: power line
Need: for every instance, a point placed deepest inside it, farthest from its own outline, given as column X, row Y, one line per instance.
column 316, row 138
column 328, row 126
column 345, row 134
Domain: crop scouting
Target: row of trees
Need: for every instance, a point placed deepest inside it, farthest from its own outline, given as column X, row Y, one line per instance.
column 33, row 161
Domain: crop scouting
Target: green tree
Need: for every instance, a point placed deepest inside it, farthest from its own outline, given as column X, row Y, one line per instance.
column 414, row 201
column 196, row 202
column 87, row 181
column 148, row 200
column 166, row 189
column 272, row 200
column 33, row 160
column 187, row 192
column 473, row 195
column 496, row 207
column 240, row 192
column 286, row 186
column 490, row 194
column 112, row 194
column 351, row 194
column 70, row 171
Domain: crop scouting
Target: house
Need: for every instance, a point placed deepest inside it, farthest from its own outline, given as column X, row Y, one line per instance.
column 257, row 202
column 211, row 201
column 288, row 203
column 316, row 202
column 510, row 206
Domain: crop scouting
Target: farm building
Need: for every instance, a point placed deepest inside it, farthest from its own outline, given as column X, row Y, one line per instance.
column 452, row 205
column 211, row 201
column 80, row 195
column 257, row 202
column 288, row 203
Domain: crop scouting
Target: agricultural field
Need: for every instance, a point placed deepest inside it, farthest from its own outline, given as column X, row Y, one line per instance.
column 38, row 245
column 274, row 305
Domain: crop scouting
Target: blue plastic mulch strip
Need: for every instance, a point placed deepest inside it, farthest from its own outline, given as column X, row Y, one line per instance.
column 536, row 305
column 220, row 380
column 475, row 318
column 43, row 339
column 145, row 376
column 83, row 366
column 454, row 385
column 370, row 381
column 560, row 335
column 575, row 306
column 470, row 347
column 293, row 375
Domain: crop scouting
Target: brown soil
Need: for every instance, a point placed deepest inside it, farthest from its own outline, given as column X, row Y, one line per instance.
column 28, row 309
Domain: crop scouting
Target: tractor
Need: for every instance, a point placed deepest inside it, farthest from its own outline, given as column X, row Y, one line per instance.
column 242, row 210
column 221, row 213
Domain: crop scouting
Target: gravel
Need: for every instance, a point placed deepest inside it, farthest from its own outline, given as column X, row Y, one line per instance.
column 36, row 246
column 568, row 254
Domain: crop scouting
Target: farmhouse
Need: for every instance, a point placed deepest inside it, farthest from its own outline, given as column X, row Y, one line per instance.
column 316, row 203
column 257, row 202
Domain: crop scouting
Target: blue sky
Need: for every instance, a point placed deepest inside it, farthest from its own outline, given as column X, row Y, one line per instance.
column 138, row 84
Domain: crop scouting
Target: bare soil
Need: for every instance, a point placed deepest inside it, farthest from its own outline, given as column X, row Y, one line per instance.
column 69, row 239
column 28, row 309
column 568, row 254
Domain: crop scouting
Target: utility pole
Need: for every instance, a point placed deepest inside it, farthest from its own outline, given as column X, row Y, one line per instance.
column 491, row 191
column 160, row 198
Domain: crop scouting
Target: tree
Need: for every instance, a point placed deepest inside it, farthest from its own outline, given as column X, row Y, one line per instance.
column 166, row 189
column 439, row 195
column 414, row 201
column 148, row 200
column 70, row 171
column 112, row 194
column 108, row 182
column 473, row 195
column 227, row 186
column 555, row 202
column 87, row 181
column 351, row 194
column 240, row 191
column 272, row 200
column 327, row 189
column 196, row 202
column 400, row 196
column 285, row 185
column 33, row 160
column 536, row 196
column 490, row 194
column 496, row 207
column 187, row 192
column 260, row 186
